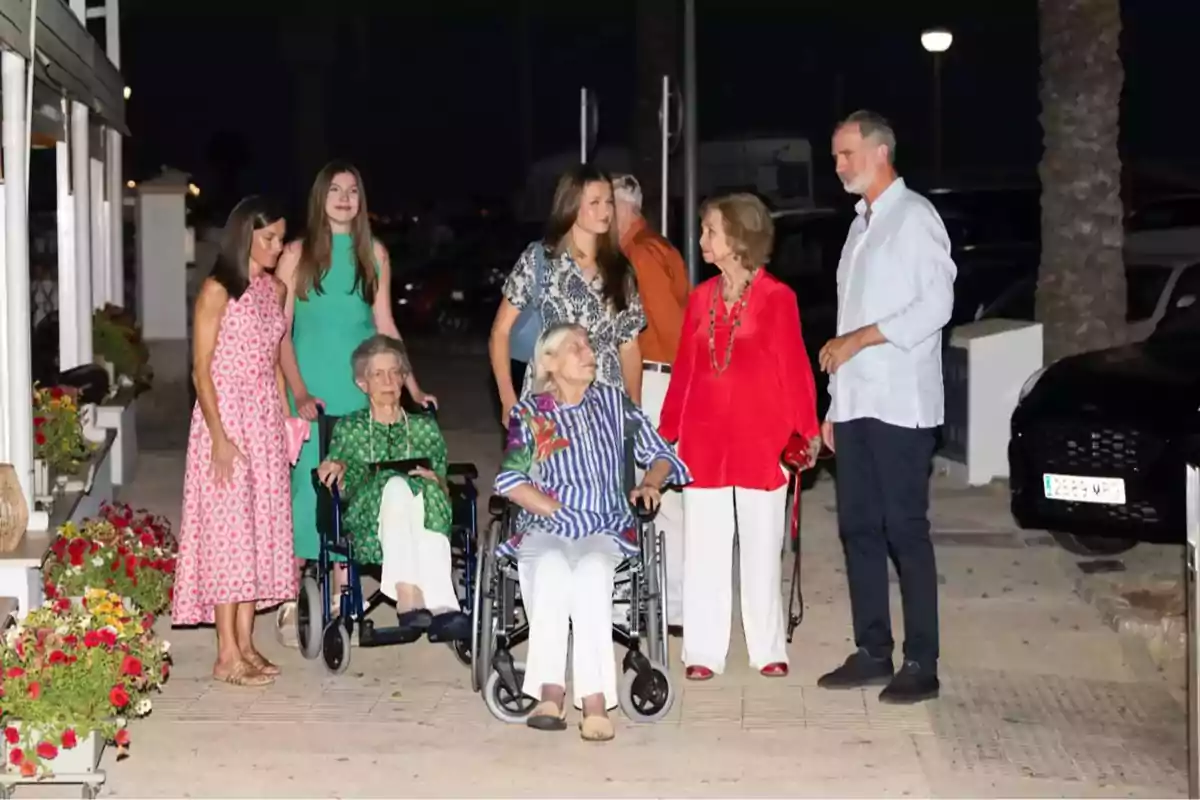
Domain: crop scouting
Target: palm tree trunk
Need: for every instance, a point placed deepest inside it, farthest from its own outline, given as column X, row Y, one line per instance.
column 1081, row 284
column 658, row 39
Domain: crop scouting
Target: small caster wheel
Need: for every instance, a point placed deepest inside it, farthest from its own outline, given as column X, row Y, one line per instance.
column 504, row 705
column 335, row 646
column 646, row 696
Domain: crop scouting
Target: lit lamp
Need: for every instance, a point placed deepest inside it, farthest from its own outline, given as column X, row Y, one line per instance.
column 128, row 92
column 937, row 41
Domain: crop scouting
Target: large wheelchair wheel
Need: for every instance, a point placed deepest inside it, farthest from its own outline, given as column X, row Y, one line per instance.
column 647, row 694
column 504, row 704
column 308, row 618
column 483, row 624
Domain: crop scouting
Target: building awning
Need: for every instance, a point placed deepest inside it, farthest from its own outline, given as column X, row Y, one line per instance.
column 69, row 59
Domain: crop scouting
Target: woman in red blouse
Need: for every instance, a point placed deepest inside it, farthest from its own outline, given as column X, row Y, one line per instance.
column 740, row 387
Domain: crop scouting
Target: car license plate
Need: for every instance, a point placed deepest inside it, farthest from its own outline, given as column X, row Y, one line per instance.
column 1083, row 489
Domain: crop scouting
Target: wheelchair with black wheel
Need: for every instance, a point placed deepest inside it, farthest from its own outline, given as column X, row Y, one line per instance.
column 499, row 624
column 326, row 626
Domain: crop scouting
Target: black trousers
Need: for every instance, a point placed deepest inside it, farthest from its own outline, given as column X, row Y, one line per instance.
column 883, row 507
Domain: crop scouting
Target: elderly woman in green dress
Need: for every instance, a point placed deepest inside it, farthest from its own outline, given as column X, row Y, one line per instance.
column 400, row 521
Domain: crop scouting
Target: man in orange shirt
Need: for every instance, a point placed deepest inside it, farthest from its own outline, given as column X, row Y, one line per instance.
column 663, row 285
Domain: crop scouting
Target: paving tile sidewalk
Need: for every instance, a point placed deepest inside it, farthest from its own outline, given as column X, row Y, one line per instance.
column 1040, row 697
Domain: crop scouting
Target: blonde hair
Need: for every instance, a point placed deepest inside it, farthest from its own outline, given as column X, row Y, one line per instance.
column 546, row 348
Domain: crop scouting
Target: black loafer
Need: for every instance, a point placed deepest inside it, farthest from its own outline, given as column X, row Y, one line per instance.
column 912, row 684
column 860, row 669
column 451, row 626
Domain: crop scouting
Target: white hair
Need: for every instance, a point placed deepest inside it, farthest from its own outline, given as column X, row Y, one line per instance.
column 546, row 348
column 627, row 189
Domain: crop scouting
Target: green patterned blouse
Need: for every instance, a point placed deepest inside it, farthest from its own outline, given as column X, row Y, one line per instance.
column 359, row 442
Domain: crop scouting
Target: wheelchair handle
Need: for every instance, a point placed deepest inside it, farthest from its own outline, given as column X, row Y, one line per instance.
column 642, row 511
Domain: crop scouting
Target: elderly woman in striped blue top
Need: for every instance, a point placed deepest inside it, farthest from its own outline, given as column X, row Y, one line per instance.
column 563, row 467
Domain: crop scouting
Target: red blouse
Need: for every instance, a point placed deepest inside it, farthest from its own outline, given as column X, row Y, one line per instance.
column 732, row 427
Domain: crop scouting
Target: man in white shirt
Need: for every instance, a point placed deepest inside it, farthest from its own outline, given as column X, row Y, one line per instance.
column 895, row 294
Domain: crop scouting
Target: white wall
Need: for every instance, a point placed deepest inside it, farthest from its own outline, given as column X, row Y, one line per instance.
column 161, row 269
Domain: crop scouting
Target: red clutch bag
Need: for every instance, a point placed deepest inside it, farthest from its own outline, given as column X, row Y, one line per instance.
column 795, row 455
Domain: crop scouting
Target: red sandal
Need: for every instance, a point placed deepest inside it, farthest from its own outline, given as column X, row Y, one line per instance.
column 699, row 673
column 776, row 670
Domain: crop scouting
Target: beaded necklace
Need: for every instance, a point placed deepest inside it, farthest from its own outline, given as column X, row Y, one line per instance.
column 735, row 322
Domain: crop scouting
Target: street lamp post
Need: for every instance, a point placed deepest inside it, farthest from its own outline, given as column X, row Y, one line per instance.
column 937, row 41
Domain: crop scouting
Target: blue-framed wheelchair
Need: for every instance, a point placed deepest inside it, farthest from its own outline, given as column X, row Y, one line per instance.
column 326, row 626
column 499, row 624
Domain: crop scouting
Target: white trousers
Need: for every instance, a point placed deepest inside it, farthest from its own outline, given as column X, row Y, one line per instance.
column 567, row 587
column 669, row 519
column 709, row 526
column 412, row 554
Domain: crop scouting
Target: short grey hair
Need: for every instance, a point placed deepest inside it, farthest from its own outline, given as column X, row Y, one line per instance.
column 627, row 188
column 546, row 348
column 872, row 125
column 378, row 345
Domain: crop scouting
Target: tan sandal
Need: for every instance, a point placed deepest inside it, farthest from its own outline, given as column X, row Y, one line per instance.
column 263, row 666
column 547, row 716
column 244, row 675
column 596, row 729
column 285, row 625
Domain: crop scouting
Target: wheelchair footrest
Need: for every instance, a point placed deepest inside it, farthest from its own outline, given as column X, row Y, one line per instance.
column 370, row 636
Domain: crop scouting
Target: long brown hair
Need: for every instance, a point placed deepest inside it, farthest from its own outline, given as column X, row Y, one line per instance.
column 615, row 273
column 317, row 246
column 232, row 267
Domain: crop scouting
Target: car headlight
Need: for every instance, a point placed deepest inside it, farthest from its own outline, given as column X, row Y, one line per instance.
column 1027, row 387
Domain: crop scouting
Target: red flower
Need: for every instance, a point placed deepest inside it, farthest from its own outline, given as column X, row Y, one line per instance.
column 131, row 666
column 91, row 639
column 108, row 637
column 118, row 697
column 122, row 737
column 148, row 621
column 166, row 670
column 47, row 750
column 28, row 769
column 56, row 393
column 58, row 657
column 16, row 755
column 39, row 438
column 14, row 672
column 39, row 422
column 147, row 540
column 12, row 735
column 69, row 740
column 62, row 604
column 71, row 640
column 35, row 690
column 50, row 590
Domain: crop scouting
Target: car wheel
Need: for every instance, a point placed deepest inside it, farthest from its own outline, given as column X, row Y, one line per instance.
column 1092, row 545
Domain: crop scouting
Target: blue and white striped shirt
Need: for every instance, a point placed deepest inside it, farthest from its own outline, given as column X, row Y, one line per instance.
column 576, row 455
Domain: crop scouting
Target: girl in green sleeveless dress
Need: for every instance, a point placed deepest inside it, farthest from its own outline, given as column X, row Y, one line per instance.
column 339, row 294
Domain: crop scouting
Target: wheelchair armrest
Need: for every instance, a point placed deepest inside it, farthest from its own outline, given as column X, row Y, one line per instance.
column 497, row 504
column 463, row 470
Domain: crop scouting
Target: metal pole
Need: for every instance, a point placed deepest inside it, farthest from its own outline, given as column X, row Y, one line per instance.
column 691, row 226
column 664, row 116
column 1192, row 552
column 81, row 176
column 937, row 117
column 16, row 257
column 583, row 125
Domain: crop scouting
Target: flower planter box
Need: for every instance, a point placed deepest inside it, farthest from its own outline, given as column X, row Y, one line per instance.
column 82, row 759
column 120, row 414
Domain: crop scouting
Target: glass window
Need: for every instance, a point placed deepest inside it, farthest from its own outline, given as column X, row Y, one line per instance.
column 1144, row 286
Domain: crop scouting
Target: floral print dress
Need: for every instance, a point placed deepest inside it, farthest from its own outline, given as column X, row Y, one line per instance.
column 576, row 454
column 565, row 296
column 358, row 442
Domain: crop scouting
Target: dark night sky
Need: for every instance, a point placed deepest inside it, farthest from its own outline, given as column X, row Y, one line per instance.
column 426, row 101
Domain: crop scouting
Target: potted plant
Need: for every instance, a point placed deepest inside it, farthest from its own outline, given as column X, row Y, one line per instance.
column 58, row 438
column 72, row 676
column 131, row 554
column 117, row 341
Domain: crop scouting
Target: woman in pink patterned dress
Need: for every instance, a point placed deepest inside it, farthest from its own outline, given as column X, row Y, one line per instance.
column 235, row 544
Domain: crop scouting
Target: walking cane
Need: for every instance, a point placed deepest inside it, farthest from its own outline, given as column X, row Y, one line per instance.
column 796, row 595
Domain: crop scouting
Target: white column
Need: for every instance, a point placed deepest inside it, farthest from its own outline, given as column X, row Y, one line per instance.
column 68, row 280
column 81, row 178
column 116, row 217
column 100, row 281
column 18, row 381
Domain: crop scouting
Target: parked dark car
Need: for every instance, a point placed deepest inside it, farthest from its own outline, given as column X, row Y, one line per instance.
column 1099, row 440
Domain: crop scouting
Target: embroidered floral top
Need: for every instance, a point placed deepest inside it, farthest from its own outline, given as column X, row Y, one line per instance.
column 566, row 297
column 358, row 441
column 576, row 455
